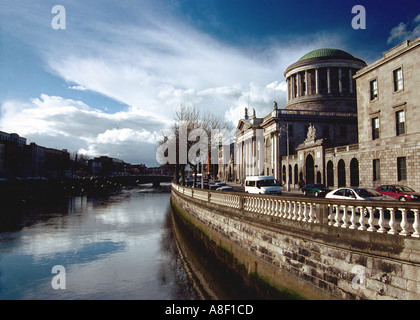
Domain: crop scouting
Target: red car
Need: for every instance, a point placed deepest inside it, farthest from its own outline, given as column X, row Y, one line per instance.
column 401, row 193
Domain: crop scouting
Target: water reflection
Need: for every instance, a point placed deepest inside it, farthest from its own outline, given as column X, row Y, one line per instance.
column 116, row 247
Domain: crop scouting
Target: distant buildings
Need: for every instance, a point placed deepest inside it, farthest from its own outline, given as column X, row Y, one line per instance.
column 18, row 159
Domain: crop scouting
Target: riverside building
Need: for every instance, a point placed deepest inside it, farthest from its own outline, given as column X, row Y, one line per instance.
column 344, row 123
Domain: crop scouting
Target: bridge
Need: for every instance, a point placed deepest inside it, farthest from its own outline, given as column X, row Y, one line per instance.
column 318, row 248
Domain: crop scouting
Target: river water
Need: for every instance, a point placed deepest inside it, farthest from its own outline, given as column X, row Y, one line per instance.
column 118, row 246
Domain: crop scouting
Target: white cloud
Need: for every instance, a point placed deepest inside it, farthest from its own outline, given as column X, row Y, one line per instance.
column 67, row 124
column 405, row 31
column 151, row 62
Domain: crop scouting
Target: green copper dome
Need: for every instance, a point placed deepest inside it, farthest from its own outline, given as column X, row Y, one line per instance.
column 327, row 53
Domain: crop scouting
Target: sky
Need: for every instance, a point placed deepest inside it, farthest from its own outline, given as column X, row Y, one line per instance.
column 110, row 81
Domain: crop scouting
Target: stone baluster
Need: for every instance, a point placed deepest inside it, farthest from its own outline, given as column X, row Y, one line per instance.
column 337, row 215
column 299, row 213
column 294, row 210
column 404, row 223
column 289, row 216
column 305, row 218
column 352, row 218
column 273, row 207
column 330, row 215
column 381, row 221
column 416, row 233
column 269, row 202
column 362, row 218
column 311, row 213
column 344, row 225
column 392, row 221
column 277, row 208
column 370, row 221
column 285, row 208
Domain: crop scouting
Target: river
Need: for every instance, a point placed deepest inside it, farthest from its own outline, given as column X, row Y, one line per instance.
column 118, row 246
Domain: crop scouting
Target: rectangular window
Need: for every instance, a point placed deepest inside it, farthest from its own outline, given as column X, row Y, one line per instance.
column 400, row 121
column 375, row 128
column 373, row 89
column 398, row 79
column 402, row 169
column 376, row 170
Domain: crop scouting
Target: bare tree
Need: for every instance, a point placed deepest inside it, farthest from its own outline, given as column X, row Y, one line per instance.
column 190, row 127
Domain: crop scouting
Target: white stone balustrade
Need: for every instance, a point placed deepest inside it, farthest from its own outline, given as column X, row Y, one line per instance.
column 385, row 217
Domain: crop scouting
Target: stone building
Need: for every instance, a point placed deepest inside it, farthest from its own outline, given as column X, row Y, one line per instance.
column 344, row 123
column 322, row 98
column 388, row 99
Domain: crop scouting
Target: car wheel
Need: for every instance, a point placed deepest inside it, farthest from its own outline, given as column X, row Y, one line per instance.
column 403, row 199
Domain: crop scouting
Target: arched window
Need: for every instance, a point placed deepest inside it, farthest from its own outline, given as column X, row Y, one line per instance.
column 330, row 174
column 354, row 172
column 310, row 170
column 341, row 171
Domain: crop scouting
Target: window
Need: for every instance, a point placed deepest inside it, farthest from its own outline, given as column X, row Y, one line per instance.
column 402, row 169
column 398, row 80
column 375, row 128
column 373, row 89
column 376, row 170
column 400, row 121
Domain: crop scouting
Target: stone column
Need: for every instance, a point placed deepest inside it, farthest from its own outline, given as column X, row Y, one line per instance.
column 316, row 80
column 298, row 84
column 340, row 82
column 306, row 83
column 350, row 80
column 329, row 79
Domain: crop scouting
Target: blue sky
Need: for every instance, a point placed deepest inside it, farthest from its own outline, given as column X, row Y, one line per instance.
column 109, row 82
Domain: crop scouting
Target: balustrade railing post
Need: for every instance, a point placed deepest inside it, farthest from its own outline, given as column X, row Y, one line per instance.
column 304, row 212
column 381, row 221
column 370, row 221
column 416, row 233
column 392, row 221
column 361, row 219
column 404, row 223
column 344, row 225
column 321, row 213
column 337, row 215
column 352, row 218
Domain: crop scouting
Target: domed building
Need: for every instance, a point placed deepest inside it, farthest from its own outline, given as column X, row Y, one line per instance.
column 320, row 113
column 322, row 80
column 344, row 123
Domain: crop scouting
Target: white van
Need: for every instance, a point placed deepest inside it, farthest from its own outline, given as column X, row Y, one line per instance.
column 262, row 185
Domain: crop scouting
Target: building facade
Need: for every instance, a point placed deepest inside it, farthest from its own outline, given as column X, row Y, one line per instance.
column 388, row 99
column 344, row 123
column 322, row 100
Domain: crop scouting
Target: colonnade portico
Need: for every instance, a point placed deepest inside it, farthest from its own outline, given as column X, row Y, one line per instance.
column 325, row 74
column 299, row 84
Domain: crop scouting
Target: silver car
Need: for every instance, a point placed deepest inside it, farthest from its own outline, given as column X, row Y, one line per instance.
column 356, row 194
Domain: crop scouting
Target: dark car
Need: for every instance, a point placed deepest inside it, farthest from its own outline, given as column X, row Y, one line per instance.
column 318, row 190
column 401, row 193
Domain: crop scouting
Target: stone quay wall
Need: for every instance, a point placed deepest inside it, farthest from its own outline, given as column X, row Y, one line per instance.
column 316, row 248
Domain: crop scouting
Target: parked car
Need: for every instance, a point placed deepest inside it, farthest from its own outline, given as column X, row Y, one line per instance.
column 262, row 185
column 356, row 194
column 318, row 190
column 226, row 189
column 401, row 193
